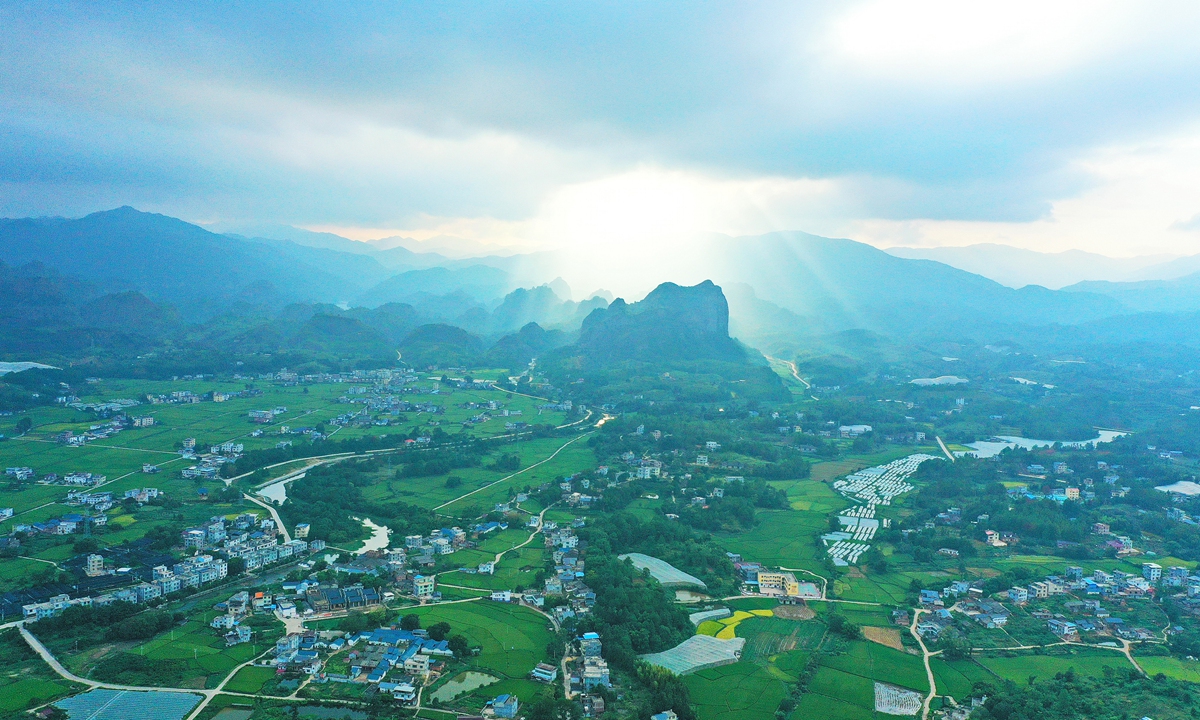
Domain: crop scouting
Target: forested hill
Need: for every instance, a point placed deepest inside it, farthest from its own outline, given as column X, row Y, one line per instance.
column 671, row 323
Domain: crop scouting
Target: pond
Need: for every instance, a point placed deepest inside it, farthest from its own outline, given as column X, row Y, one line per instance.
column 460, row 684
column 379, row 536
column 997, row 445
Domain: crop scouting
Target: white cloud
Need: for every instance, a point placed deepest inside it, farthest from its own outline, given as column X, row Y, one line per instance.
column 946, row 41
column 1141, row 201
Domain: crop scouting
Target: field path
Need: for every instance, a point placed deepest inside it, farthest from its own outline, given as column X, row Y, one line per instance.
column 928, row 668
column 507, row 477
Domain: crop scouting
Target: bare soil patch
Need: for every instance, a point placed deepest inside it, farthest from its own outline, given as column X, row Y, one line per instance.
column 884, row 636
column 794, row 612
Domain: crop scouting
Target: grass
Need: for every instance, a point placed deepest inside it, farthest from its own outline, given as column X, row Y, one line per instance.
column 781, row 538
column 432, row 492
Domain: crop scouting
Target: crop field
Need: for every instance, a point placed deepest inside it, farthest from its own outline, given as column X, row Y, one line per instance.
column 1090, row 663
column 775, row 652
column 25, row 680
column 516, row 568
column 432, row 492
column 888, row 587
column 732, row 692
column 873, row 661
column 956, row 677
column 819, row 705
column 1172, row 667
column 513, row 638
column 194, row 653
column 250, row 679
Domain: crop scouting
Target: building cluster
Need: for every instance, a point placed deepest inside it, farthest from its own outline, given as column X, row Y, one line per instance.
column 252, row 538
column 209, row 467
column 588, row 669
column 1081, row 613
column 67, row 524
column 192, row 572
column 393, row 661
column 567, row 581
column 71, row 479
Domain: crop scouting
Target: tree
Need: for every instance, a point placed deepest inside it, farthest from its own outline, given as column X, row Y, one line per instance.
column 24, row 425
column 439, row 631
column 236, row 566
column 410, row 622
column 545, row 708
column 459, row 646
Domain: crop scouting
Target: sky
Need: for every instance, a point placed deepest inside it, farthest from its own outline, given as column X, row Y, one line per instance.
column 616, row 126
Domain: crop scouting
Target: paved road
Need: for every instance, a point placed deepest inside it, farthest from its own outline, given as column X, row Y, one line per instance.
column 287, row 537
column 57, row 667
column 949, row 455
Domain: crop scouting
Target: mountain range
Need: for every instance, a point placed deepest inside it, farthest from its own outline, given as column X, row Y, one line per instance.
column 1017, row 267
column 165, row 277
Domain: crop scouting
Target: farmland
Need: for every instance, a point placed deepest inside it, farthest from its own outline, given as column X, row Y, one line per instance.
column 190, row 655
column 24, row 679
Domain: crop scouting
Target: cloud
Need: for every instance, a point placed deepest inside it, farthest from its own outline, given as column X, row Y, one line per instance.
column 932, row 121
column 1136, row 192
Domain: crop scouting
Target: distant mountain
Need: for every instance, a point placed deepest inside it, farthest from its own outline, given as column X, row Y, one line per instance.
column 837, row 284
column 300, row 236
column 172, row 261
column 542, row 305
column 441, row 345
column 671, row 323
column 447, row 245
column 1165, row 296
column 46, row 316
column 516, row 350
column 481, row 282
column 1017, row 267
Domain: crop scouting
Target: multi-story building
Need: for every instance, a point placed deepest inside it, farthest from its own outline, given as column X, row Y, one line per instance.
column 778, row 583
column 147, row 592
column 1152, row 572
column 95, row 565
column 423, row 586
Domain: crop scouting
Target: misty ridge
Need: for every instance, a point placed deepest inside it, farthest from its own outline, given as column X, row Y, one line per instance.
column 124, row 280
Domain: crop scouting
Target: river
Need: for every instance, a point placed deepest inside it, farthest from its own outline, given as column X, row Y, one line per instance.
column 991, row 448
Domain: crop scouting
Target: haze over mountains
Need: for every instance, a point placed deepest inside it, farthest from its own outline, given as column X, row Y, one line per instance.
column 170, row 278
column 1017, row 267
